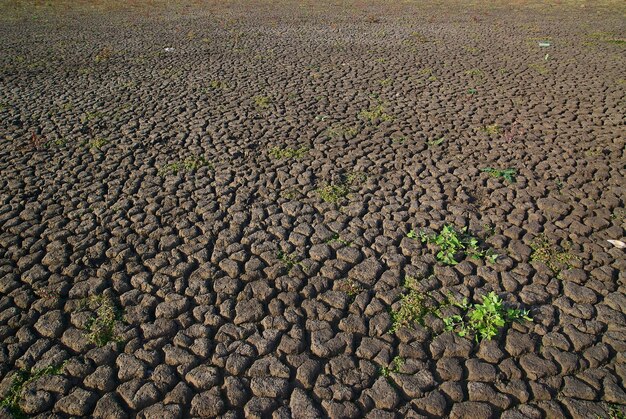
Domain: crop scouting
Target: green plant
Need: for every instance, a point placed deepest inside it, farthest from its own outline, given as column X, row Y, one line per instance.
column 472, row 91
column 507, row 174
column 616, row 411
column 336, row 239
column 433, row 143
column 333, row 193
column 288, row 153
column 374, row 114
column 59, row 142
column 554, row 257
column 484, row 320
column 474, row 72
column 97, row 143
column 396, row 364
column 492, row 130
column 262, row 102
column 101, row 326
column 340, row 131
column 384, row 371
column 539, row 68
column 385, row 82
column 189, row 164
column 452, row 243
column 217, row 84
column 351, row 288
column 289, row 260
column 414, row 305
column 103, row 55
column 21, row 379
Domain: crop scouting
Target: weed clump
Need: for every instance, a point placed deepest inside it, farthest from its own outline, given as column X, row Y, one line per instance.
column 101, row 326
column 414, row 305
column 190, row 164
column 507, row 174
column 484, row 320
column 288, row 153
column 22, row 378
column 453, row 244
column 554, row 257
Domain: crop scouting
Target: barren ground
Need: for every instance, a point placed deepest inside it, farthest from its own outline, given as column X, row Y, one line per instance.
column 214, row 208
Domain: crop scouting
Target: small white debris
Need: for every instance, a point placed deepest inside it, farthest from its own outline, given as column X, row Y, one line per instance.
column 544, row 44
column 169, row 49
column 618, row 243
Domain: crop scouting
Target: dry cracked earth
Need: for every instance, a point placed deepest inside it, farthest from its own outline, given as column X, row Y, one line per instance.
column 206, row 208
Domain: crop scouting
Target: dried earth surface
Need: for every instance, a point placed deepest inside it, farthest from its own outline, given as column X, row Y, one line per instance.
column 204, row 207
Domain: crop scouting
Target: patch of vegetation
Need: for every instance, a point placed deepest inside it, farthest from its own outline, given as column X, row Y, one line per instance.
column 190, row 164
column 351, row 288
column 289, row 260
column 336, row 192
column 552, row 256
column 414, row 305
column 471, row 91
column 339, row 131
column 433, row 143
column 291, row 193
column 506, row 174
column 375, row 114
column 453, row 244
column 492, row 130
column 59, row 142
column 288, row 153
column 337, row 239
column 474, row 72
column 101, row 326
column 97, row 143
column 333, row 192
column 539, row 68
column 483, row 321
column 617, row 411
column 103, row 55
column 217, row 84
column 386, row 82
column 262, row 102
column 396, row 366
column 22, row 378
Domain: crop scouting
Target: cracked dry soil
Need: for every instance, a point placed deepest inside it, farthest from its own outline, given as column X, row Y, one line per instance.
column 204, row 207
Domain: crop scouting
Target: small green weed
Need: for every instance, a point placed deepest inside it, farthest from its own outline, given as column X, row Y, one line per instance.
column 190, row 164
column 101, row 326
column 351, row 288
column 539, row 68
column 262, row 102
column 471, row 91
column 452, row 243
column 22, row 378
column 337, row 239
column 217, row 84
column 507, row 174
column 474, row 72
column 492, row 130
column 434, row 143
column 484, row 320
column 97, row 143
column 340, row 131
column 288, row 153
column 103, row 55
column 59, row 142
column 616, row 411
column 333, row 193
column 336, row 192
column 554, row 257
column 414, row 305
column 375, row 114
column 385, row 82
column 289, row 260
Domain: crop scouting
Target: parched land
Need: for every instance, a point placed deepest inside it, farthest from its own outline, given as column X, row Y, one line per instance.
column 311, row 209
